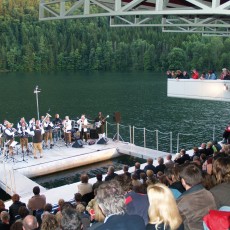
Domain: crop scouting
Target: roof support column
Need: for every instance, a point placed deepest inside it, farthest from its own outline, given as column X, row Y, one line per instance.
column 117, row 5
column 86, row 6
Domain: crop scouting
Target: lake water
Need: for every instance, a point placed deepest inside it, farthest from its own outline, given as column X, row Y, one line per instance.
column 140, row 97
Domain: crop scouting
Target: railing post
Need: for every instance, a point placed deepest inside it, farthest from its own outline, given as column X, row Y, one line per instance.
column 106, row 128
column 118, row 134
column 213, row 133
column 177, row 146
column 157, row 138
column 171, row 142
column 130, row 134
column 133, row 134
column 144, row 139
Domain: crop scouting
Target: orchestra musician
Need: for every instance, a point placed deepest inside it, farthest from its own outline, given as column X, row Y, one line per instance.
column 37, row 139
column 32, row 125
column 83, row 122
column 100, row 123
column 22, row 120
column 48, row 126
column 24, row 134
column 57, row 127
column 67, row 127
column 9, row 134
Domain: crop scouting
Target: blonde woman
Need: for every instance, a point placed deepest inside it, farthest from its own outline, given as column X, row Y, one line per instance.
column 163, row 211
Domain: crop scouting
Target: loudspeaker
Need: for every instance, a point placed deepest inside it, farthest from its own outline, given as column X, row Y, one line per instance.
column 117, row 117
column 102, row 141
column 78, row 144
column 93, row 134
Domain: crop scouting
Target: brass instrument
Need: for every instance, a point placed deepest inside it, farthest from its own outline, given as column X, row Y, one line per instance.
column 47, row 115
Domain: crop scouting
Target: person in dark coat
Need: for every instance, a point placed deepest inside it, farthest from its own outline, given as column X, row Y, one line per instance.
column 184, row 157
column 110, row 174
column 13, row 209
column 150, row 166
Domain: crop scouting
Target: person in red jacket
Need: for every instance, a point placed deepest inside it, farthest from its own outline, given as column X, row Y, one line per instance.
column 195, row 74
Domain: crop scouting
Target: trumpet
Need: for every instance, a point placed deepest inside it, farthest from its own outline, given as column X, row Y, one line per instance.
column 47, row 115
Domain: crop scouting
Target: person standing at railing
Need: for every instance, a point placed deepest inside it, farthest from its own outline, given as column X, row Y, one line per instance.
column 195, row 74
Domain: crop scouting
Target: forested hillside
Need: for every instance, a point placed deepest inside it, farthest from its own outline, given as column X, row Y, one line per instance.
column 27, row 44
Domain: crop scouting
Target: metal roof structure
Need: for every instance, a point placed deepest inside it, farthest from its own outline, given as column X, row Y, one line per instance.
column 208, row 17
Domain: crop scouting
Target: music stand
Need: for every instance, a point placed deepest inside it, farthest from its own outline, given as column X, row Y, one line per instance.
column 5, row 152
column 117, row 136
column 13, row 144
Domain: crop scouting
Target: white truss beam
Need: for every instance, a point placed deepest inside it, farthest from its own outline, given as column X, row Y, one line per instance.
column 198, row 16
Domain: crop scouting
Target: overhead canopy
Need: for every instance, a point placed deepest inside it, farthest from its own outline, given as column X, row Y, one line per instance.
column 209, row 17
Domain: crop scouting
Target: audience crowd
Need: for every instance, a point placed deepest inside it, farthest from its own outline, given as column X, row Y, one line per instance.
column 209, row 75
column 188, row 192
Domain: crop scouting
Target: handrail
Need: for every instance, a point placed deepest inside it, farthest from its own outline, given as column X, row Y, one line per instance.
column 155, row 138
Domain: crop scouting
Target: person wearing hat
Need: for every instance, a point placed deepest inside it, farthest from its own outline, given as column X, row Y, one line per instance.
column 13, row 209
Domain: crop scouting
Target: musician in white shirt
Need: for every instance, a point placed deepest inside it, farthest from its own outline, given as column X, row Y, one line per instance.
column 24, row 134
column 67, row 127
column 48, row 126
column 9, row 133
column 83, row 122
column 20, row 123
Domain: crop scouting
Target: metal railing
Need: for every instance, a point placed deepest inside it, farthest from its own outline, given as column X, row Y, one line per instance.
column 158, row 140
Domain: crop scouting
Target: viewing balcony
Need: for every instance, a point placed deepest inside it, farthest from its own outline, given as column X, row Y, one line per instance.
column 217, row 90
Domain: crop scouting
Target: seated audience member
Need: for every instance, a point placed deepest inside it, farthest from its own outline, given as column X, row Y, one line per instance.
column 49, row 222
column 60, row 203
column 216, row 145
column 196, row 153
column 209, row 149
column 175, row 185
column 85, row 219
column 196, row 201
column 84, row 187
column 150, row 166
column 208, row 180
column 70, row 219
column 23, row 211
column 111, row 200
column 163, row 211
column 202, row 149
column 221, row 192
column 138, row 170
column 135, row 181
column 110, row 174
column 151, row 179
column 99, row 181
column 184, row 157
column 13, row 209
column 37, row 202
column 78, row 199
column 161, row 166
column 17, row 226
column 137, row 203
column 30, row 223
column 96, row 215
column 169, row 163
column 58, row 216
column 2, row 206
column 143, row 177
column 5, row 220
column 126, row 171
